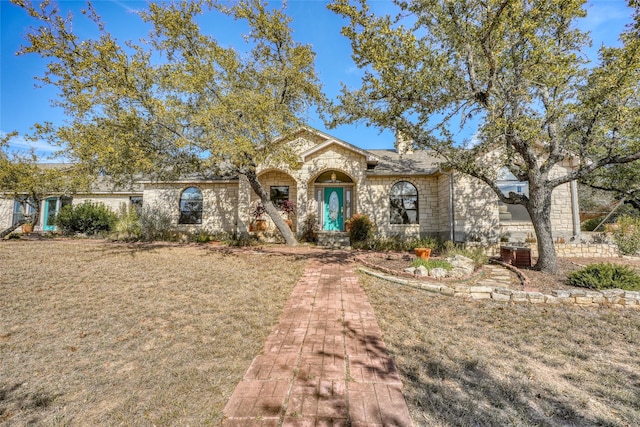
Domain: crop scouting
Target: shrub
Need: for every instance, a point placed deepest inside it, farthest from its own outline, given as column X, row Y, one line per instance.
column 360, row 228
column 626, row 234
column 310, row 229
column 128, row 225
column 398, row 243
column 87, row 218
column 591, row 224
column 605, row 276
column 156, row 224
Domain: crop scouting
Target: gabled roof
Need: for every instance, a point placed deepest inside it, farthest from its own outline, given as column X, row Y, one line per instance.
column 371, row 158
column 419, row 162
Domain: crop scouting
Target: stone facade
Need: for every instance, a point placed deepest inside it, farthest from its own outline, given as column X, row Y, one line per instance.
column 449, row 205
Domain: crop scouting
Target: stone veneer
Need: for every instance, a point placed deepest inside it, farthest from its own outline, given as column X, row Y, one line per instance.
column 610, row 298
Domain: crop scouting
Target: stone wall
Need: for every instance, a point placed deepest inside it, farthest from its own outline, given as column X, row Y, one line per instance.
column 219, row 208
column 377, row 205
column 567, row 250
column 475, row 210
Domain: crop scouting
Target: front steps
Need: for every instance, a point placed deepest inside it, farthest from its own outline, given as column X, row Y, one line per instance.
column 334, row 239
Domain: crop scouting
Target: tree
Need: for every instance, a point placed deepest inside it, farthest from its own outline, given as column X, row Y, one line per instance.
column 24, row 178
column 179, row 101
column 621, row 181
column 509, row 72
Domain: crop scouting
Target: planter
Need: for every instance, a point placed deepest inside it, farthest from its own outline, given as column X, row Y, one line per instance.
column 261, row 224
column 27, row 228
column 423, row 253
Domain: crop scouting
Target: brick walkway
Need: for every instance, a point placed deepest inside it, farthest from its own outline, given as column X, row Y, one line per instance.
column 325, row 363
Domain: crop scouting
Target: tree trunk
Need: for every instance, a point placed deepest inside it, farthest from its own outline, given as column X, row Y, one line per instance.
column 289, row 237
column 539, row 208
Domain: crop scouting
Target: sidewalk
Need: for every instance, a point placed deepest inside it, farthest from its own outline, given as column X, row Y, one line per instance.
column 325, row 363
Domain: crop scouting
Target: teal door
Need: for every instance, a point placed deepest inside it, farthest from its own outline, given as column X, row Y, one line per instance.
column 50, row 211
column 333, row 209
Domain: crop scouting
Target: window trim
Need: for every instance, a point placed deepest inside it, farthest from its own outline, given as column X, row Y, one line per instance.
column 402, row 197
column 185, row 215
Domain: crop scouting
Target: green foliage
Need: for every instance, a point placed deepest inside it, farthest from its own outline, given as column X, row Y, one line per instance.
column 156, row 224
column 397, row 243
column 591, row 224
column 87, row 218
column 310, row 229
column 626, row 234
column 361, row 228
column 180, row 101
column 605, row 276
column 515, row 78
column 128, row 225
column 431, row 263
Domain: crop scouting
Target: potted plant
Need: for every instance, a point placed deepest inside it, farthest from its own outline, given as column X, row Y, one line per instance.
column 423, row 253
column 27, row 225
column 288, row 208
column 258, row 212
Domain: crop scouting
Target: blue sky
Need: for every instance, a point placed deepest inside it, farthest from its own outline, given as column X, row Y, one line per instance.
column 22, row 104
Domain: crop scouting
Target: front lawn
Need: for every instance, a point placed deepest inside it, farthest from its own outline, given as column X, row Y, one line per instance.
column 482, row 363
column 97, row 333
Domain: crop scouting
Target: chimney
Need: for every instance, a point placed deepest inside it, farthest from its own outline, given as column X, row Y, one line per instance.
column 403, row 145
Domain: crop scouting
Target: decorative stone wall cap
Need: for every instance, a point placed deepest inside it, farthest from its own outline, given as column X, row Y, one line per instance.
column 632, row 294
column 612, row 292
column 480, row 289
column 578, row 293
column 561, row 293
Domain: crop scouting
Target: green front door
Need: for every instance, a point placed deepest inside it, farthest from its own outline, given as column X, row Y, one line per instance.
column 50, row 211
column 333, row 209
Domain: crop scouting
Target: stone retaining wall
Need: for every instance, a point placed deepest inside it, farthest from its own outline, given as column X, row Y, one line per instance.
column 609, row 298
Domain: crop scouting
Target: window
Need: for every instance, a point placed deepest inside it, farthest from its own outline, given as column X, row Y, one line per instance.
column 191, row 206
column 404, row 203
column 135, row 203
column 22, row 207
column 279, row 194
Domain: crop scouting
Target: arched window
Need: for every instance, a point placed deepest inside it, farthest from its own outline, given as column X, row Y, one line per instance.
column 403, row 203
column 191, row 206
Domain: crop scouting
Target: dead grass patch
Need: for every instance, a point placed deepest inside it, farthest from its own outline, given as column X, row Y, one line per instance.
column 95, row 333
column 467, row 363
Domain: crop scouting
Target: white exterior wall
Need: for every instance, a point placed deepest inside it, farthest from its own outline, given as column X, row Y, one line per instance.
column 6, row 213
column 113, row 202
column 219, row 204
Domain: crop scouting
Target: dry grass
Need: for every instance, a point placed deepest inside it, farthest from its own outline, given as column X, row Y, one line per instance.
column 95, row 333
column 468, row 363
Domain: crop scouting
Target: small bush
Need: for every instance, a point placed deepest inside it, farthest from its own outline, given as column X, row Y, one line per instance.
column 431, row 263
column 626, row 234
column 591, row 224
column 87, row 218
column 361, row 228
column 156, row 224
column 128, row 225
column 310, row 229
column 605, row 276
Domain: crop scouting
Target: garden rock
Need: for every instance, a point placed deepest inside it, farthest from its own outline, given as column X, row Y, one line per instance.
column 462, row 266
column 410, row 270
column 421, row 271
column 438, row 273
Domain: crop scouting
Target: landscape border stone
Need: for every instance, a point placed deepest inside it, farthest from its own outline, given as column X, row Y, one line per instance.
column 584, row 298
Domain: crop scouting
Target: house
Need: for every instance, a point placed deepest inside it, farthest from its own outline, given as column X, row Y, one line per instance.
column 406, row 193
